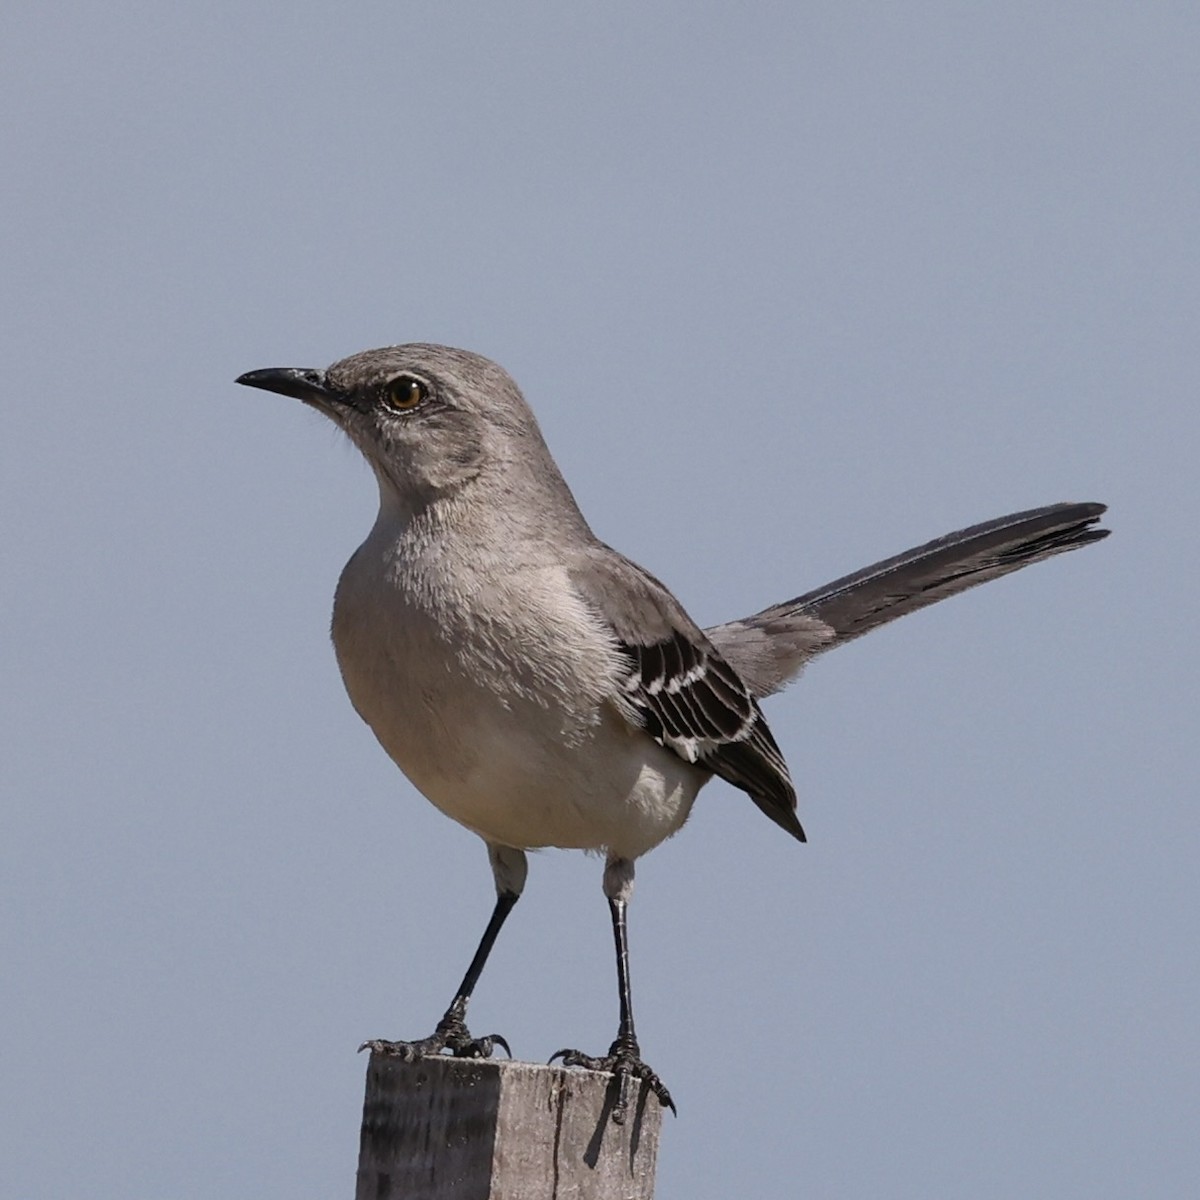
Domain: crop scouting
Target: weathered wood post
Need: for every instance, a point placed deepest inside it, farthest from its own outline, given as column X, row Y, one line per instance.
column 483, row 1129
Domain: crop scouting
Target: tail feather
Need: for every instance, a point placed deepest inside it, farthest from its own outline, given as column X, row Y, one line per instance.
column 769, row 648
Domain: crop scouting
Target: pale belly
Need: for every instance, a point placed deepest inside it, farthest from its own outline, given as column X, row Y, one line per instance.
column 571, row 772
column 610, row 788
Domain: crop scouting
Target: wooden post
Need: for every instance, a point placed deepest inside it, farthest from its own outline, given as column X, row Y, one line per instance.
column 485, row 1129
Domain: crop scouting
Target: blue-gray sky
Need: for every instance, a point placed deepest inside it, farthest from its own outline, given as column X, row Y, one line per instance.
column 791, row 287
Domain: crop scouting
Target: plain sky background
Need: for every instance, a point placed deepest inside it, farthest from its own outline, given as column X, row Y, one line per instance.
column 792, row 287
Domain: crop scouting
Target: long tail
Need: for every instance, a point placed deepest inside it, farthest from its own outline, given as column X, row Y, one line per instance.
column 769, row 648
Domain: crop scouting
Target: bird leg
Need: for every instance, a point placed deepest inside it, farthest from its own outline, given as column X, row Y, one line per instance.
column 452, row 1033
column 623, row 1060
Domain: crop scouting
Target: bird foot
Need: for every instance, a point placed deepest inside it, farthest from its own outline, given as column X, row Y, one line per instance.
column 451, row 1034
column 623, row 1062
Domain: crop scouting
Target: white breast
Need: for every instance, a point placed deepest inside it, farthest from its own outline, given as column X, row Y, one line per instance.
column 497, row 698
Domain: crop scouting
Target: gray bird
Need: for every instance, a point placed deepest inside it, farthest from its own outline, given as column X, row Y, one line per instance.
column 540, row 688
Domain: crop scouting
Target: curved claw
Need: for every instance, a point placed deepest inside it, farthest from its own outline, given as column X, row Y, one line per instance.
column 587, row 1062
column 496, row 1040
column 470, row 1047
column 624, row 1066
column 450, row 1037
column 664, row 1097
column 406, row 1051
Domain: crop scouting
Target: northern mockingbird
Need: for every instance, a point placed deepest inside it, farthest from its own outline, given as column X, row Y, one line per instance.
column 540, row 688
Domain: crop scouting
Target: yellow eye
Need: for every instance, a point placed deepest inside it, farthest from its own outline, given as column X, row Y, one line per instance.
column 404, row 393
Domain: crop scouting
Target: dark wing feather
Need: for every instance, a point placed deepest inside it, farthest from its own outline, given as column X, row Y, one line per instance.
column 680, row 689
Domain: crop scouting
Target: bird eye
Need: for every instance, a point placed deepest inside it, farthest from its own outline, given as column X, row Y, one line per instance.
column 404, row 393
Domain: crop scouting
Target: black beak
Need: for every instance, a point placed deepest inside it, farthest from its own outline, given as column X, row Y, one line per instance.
column 301, row 383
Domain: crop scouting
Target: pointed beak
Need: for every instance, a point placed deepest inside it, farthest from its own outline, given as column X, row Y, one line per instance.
column 301, row 383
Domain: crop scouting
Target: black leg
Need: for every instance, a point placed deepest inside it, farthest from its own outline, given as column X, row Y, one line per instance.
column 624, row 1058
column 625, row 1032
column 504, row 905
column 452, row 1033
